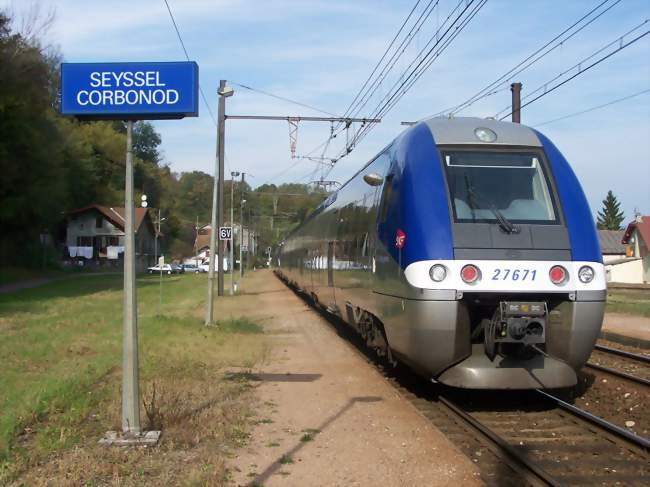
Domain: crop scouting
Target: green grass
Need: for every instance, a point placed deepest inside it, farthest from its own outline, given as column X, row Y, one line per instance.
column 635, row 302
column 10, row 275
column 61, row 355
column 286, row 459
column 309, row 434
column 240, row 325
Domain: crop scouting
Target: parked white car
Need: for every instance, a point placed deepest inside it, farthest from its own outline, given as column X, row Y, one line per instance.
column 166, row 269
column 205, row 267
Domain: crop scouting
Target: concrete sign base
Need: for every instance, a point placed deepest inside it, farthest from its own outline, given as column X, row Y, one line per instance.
column 117, row 438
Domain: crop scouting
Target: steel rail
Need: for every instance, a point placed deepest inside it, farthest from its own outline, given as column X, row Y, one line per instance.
column 511, row 451
column 615, row 351
column 618, row 373
column 606, row 425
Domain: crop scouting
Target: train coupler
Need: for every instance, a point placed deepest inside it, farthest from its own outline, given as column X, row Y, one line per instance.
column 516, row 322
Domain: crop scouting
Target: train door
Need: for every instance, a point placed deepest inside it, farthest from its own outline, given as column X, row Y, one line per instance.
column 380, row 196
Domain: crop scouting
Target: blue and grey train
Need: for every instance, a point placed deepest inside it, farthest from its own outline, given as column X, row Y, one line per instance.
column 465, row 249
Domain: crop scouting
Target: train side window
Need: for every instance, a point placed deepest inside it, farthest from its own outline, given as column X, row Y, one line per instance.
column 385, row 198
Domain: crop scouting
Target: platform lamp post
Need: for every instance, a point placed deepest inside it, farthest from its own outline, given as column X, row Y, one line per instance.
column 217, row 196
column 233, row 175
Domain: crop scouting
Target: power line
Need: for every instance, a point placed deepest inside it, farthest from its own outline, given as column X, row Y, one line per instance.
column 442, row 42
column 581, row 70
column 581, row 112
column 289, row 100
column 390, row 45
column 399, row 52
column 361, row 98
column 530, row 60
column 403, row 78
column 203, row 97
column 180, row 39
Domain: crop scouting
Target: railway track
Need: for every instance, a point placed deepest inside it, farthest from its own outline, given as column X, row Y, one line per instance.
column 535, row 440
column 639, row 364
column 520, row 438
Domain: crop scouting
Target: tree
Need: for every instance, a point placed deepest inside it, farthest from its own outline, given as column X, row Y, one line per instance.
column 611, row 216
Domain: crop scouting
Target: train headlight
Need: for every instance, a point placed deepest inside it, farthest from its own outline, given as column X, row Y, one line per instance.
column 558, row 275
column 470, row 274
column 586, row 274
column 438, row 272
column 485, row 134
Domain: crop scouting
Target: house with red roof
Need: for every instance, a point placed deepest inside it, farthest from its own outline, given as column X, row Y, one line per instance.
column 95, row 234
column 637, row 241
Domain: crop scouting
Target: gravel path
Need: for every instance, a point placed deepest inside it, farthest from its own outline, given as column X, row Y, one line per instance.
column 327, row 418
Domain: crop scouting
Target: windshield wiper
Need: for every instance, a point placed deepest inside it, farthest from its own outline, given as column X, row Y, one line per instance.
column 506, row 225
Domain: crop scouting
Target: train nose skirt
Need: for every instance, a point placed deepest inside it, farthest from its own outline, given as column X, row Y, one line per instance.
column 479, row 372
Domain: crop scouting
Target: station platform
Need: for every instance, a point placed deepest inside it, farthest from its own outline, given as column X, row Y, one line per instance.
column 326, row 417
column 626, row 329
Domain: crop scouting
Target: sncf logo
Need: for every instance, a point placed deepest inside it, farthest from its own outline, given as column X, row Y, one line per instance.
column 400, row 239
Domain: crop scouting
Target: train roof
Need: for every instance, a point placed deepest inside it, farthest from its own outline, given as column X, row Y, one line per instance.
column 463, row 130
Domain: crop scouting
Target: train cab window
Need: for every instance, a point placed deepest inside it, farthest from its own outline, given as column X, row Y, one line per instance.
column 504, row 187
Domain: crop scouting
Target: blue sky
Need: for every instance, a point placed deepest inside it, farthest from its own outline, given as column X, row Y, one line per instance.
column 320, row 52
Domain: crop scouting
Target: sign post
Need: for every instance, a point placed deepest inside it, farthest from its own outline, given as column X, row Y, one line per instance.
column 130, row 366
column 225, row 235
column 129, row 91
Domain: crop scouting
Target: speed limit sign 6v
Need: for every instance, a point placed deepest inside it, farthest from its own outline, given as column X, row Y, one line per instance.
column 225, row 233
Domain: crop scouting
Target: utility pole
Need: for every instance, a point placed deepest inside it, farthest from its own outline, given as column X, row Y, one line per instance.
column 233, row 175
column 160, row 266
column 515, row 88
column 241, row 225
column 216, row 253
column 196, row 240
column 275, row 210
column 130, row 363
column 248, row 235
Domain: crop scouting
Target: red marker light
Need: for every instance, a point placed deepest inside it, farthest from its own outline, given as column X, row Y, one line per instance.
column 558, row 275
column 470, row 274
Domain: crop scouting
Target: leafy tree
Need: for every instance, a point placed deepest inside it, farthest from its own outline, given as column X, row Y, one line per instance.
column 611, row 216
column 31, row 190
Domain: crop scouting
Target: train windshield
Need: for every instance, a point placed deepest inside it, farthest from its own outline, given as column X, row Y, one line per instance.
column 505, row 187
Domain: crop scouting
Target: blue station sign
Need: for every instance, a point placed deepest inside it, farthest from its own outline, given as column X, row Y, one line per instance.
column 137, row 91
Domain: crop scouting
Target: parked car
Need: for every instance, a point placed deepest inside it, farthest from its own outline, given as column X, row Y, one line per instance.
column 191, row 268
column 205, row 267
column 166, row 269
column 177, row 269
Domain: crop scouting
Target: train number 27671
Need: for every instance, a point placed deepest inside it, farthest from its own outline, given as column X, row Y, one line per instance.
column 514, row 274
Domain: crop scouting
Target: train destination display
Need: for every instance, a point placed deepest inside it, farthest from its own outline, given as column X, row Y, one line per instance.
column 149, row 90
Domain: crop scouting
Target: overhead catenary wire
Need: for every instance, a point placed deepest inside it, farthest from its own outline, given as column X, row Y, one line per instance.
column 422, row 57
column 412, row 74
column 283, row 98
column 557, row 41
column 374, row 70
column 580, row 69
column 370, row 86
column 396, row 56
column 598, row 107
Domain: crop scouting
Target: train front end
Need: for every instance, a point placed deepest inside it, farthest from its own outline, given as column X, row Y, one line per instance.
column 506, row 259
